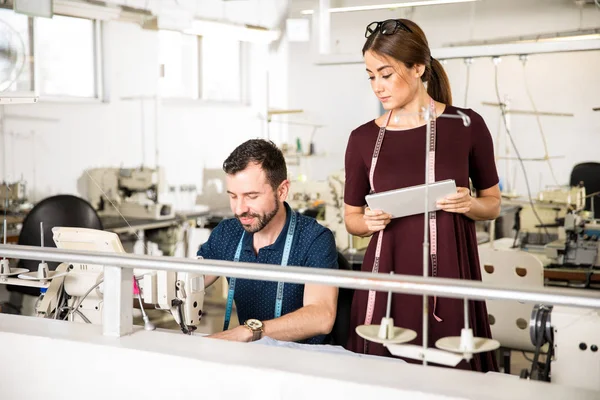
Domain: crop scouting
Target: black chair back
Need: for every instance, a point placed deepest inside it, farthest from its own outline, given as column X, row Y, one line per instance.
column 61, row 210
column 589, row 174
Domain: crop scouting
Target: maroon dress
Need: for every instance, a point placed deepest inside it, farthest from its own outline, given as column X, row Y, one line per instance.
column 461, row 153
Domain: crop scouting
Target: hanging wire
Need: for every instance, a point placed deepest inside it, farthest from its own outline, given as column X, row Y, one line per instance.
column 538, row 119
column 116, row 209
column 509, row 134
column 468, row 63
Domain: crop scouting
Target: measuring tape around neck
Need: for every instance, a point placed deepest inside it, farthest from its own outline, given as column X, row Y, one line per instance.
column 432, row 215
column 284, row 261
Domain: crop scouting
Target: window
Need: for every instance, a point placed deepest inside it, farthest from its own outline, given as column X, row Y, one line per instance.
column 221, row 69
column 178, row 55
column 66, row 49
column 15, row 54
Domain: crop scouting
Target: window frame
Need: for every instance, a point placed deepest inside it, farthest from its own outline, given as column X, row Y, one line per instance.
column 199, row 98
column 244, row 58
column 198, row 84
column 97, row 30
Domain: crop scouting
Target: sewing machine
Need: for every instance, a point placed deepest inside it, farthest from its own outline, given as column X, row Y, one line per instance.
column 79, row 286
column 573, row 342
column 550, row 205
column 327, row 199
column 132, row 192
column 13, row 196
column 577, row 245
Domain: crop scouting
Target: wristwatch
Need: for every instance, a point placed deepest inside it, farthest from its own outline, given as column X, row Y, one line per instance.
column 255, row 326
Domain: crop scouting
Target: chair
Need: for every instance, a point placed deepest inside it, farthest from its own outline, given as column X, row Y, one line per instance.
column 341, row 328
column 589, row 174
column 61, row 210
column 509, row 319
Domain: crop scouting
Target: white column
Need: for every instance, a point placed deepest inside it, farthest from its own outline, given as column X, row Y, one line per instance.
column 117, row 312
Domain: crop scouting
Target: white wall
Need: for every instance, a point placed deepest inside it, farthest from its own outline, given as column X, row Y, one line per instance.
column 192, row 134
column 340, row 97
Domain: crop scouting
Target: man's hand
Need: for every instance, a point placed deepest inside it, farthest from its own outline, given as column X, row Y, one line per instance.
column 459, row 203
column 237, row 334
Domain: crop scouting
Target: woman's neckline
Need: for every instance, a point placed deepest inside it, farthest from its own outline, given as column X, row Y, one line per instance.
column 407, row 129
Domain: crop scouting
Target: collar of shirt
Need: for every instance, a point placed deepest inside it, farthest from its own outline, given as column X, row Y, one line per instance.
column 279, row 244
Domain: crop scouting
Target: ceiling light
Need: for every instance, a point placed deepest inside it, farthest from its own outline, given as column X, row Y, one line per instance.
column 563, row 38
column 581, row 34
column 103, row 12
column 390, row 6
column 244, row 33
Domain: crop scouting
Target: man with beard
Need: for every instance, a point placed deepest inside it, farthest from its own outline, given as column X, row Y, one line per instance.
column 266, row 230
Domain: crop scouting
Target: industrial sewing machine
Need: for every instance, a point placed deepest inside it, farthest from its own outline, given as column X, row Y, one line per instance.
column 75, row 292
column 562, row 337
column 13, row 196
column 548, row 208
column 577, row 245
column 572, row 341
column 132, row 192
column 325, row 201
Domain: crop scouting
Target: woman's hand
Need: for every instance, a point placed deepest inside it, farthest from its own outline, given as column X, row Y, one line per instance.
column 376, row 220
column 459, row 203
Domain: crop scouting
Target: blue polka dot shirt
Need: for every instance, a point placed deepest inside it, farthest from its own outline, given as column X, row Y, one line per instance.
column 313, row 246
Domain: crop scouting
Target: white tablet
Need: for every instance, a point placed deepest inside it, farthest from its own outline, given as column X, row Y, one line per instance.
column 410, row 200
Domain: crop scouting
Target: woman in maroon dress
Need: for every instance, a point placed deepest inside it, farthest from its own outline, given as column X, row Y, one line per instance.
column 399, row 62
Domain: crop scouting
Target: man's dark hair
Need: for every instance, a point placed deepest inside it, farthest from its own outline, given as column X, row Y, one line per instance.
column 262, row 152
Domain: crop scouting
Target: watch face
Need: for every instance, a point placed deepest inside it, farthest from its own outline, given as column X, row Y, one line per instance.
column 254, row 324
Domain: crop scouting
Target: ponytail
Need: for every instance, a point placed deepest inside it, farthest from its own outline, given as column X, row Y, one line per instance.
column 438, row 85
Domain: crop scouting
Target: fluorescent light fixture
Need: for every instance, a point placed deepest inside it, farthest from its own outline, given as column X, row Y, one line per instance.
column 478, row 51
column 515, row 49
column 74, row 8
column 242, row 33
column 391, row 6
column 18, row 98
column 101, row 11
column 565, row 36
column 561, row 39
column 38, row 8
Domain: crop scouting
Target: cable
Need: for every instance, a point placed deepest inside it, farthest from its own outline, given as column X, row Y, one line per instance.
column 538, row 119
column 530, row 359
column 527, row 358
column 149, row 326
column 58, row 301
column 468, row 62
column 116, row 209
column 83, row 317
column 76, row 307
column 509, row 134
column 467, row 85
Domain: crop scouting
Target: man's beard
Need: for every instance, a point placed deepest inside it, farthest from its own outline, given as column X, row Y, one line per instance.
column 263, row 220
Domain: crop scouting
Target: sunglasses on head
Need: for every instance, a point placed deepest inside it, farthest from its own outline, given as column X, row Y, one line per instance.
column 387, row 27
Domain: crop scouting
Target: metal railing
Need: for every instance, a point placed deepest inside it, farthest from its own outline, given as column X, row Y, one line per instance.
column 119, row 269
